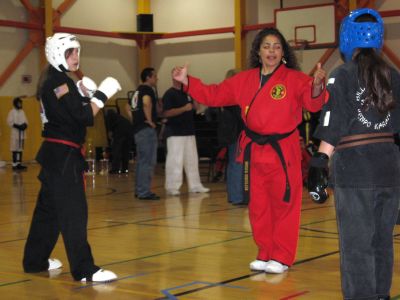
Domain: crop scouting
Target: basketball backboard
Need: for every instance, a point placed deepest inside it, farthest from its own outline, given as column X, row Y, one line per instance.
column 313, row 23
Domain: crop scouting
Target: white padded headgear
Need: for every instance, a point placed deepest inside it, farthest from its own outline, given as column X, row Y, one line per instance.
column 56, row 46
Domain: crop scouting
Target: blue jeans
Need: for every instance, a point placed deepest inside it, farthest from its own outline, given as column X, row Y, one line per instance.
column 234, row 176
column 146, row 159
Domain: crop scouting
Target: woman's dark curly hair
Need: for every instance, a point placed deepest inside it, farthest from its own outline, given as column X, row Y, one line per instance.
column 254, row 60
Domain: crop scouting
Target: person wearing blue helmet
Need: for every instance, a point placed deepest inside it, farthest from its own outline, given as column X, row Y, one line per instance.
column 356, row 130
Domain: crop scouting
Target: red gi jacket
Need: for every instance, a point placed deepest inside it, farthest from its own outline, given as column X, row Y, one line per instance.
column 276, row 109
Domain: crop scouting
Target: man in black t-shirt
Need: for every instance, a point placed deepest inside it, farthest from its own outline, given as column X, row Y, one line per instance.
column 143, row 115
column 181, row 142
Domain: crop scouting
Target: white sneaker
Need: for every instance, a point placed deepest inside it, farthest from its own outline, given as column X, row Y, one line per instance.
column 200, row 189
column 103, row 288
column 258, row 265
column 102, row 276
column 54, row 263
column 275, row 267
column 55, row 273
column 173, row 192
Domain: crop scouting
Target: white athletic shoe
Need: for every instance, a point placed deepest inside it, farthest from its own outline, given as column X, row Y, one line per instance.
column 55, row 273
column 200, row 189
column 102, row 276
column 54, row 263
column 258, row 265
column 275, row 267
column 173, row 192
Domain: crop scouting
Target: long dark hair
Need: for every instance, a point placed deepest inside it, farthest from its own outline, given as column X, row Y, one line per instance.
column 375, row 75
column 289, row 56
column 42, row 78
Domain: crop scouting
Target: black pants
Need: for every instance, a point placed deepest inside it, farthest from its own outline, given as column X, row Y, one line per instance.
column 61, row 208
column 366, row 220
column 120, row 153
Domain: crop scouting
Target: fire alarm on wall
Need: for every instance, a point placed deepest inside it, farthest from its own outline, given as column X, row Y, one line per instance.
column 26, row 78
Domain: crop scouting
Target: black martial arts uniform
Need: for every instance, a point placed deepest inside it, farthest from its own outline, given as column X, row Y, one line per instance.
column 365, row 175
column 61, row 206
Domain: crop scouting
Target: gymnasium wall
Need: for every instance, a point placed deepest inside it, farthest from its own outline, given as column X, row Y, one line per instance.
column 209, row 56
column 31, row 107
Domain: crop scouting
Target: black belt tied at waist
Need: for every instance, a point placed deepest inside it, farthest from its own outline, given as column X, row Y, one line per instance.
column 364, row 139
column 264, row 140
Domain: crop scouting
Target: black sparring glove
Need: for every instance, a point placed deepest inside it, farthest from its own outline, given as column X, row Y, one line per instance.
column 23, row 126
column 318, row 177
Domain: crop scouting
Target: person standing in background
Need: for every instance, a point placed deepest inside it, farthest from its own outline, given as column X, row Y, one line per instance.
column 181, row 142
column 230, row 125
column 121, row 142
column 18, row 123
column 143, row 113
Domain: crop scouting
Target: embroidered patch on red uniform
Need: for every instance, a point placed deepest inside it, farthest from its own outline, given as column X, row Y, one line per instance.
column 61, row 90
column 278, row 91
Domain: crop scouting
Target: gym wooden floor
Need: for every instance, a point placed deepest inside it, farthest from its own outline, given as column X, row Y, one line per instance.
column 188, row 247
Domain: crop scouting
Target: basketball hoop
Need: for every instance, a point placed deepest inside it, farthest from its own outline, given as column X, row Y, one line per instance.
column 298, row 45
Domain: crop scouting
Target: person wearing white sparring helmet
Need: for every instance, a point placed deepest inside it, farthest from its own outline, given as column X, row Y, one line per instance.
column 67, row 109
column 55, row 48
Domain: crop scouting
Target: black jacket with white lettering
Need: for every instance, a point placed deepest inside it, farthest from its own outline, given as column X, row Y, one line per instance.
column 371, row 165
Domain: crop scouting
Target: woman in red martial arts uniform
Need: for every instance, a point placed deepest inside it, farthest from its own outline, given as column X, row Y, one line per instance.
column 271, row 95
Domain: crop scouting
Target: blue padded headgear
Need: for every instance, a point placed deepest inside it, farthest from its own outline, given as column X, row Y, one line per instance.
column 355, row 35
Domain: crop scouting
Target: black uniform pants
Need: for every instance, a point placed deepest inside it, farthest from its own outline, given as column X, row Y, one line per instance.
column 120, row 153
column 366, row 218
column 61, row 208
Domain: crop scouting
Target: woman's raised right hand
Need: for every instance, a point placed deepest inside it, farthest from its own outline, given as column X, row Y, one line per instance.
column 179, row 74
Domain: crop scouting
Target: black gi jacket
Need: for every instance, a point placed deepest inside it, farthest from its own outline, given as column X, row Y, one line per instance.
column 68, row 115
column 371, row 165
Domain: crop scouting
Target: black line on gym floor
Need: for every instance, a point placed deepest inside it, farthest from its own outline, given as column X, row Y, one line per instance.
column 246, row 276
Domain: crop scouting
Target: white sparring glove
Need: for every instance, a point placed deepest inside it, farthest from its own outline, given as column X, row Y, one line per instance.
column 90, row 86
column 107, row 88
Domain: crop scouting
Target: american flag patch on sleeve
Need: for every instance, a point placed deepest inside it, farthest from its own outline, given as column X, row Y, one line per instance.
column 61, row 90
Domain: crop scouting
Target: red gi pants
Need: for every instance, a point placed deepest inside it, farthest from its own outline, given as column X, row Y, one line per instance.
column 275, row 223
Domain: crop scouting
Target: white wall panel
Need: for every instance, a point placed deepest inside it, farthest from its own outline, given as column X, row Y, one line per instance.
column 209, row 56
